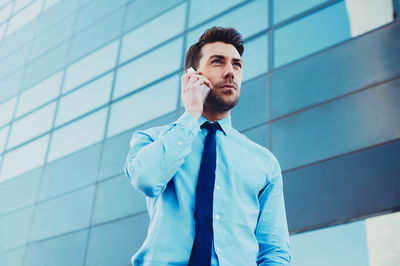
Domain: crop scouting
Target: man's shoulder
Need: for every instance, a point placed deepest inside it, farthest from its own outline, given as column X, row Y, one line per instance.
column 253, row 146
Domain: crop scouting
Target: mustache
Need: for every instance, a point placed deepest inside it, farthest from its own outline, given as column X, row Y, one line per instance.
column 226, row 83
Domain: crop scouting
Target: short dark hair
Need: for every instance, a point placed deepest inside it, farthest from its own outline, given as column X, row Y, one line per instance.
column 214, row 34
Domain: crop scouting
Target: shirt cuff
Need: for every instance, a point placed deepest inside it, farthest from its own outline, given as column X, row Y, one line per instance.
column 189, row 123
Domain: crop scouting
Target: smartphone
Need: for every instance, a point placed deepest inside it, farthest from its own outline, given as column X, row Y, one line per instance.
column 204, row 89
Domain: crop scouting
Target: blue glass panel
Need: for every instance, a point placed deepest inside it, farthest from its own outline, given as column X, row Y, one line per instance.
column 115, row 243
column 24, row 158
column 14, row 257
column 259, row 134
column 255, row 57
column 26, row 15
column 14, row 228
column 3, row 137
column 10, row 85
column 114, row 155
column 348, row 124
column 19, row 192
column 7, row 110
column 202, row 10
column 78, row 135
column 143, row 106
column 84, row 99
column 252, row 108
column 52, row 37
column 61, row 251
column 96, row 36
column 338, row 245
column 116, row 198
column 63, row 214
column 311, row 34
column 19, row 4
column 5, row 12
column 14, row 61
column 56, row 13
column 140, row 11
column 256, row 20
column 148, row 68
column 91, row 66
column 149, row 35
column 70, row 173
column 39, row 94
column 95, row 11
column 284, row 9
column 32, row 125
column 45, row 65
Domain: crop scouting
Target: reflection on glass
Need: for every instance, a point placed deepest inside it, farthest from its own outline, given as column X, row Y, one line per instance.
column 338, row 245
column 39, row 94
column 24, row 16
column 148, row 68
column 5, row 12
column 32, row 125
column 284, row 9
column 7, row 110
column 50, row 3
column 144, row 106
column 19, row 4
column 84, row 99
column 310, row 34
column 24, row 158
column 149, row 35
column 248, row 20
column 3, row 137
column 91, row 66
column 77, row 135
column 202, row 10
column 255, row 57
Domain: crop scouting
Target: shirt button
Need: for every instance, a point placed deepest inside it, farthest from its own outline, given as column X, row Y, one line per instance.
column 180, row 143
column 217, row 217
column 217, row 187
column 218, row 250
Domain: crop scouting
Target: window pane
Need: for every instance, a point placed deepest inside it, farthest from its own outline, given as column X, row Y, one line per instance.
column 50, row 3
column 24, row 158
column 32, row 125
column 2, row 29
column 7, row 110
column 348, row 240
column 310, row 34
column 148, row 68
column 153, row 33
column 284, row 9
column 84, row 99
column 3, row 137
column 248, row 20
column 202, row 10
column 5, row 12
column 79, row 134
column 24, row 17
column 255, row 57
column 19, row 4
column 144, row 106
column 39, row 94
column 91, row 66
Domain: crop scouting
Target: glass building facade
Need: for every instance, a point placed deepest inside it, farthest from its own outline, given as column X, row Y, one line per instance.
column 321, row 90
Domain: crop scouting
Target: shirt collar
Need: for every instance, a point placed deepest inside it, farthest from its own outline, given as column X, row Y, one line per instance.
column 225, row 123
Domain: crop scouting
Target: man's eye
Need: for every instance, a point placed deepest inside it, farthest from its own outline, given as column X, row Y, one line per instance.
column 216, row 61
column 239, row 65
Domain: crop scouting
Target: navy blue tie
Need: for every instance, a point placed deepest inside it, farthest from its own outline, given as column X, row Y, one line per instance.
column 201, row 250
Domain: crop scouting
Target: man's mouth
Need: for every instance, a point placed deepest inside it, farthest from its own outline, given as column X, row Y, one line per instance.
column 228, row 86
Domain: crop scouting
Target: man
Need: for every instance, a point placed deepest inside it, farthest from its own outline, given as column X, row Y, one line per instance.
column 213, row 196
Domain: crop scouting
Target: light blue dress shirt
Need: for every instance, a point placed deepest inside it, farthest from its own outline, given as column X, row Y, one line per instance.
column 249, row 218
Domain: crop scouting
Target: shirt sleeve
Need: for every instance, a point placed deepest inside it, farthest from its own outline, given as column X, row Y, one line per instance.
column 272, row 230
column 153, row 160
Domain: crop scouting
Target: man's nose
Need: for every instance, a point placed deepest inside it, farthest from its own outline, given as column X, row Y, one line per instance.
column 228, row 71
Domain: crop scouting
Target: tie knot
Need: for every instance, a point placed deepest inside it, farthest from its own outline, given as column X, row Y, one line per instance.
column 211, row 126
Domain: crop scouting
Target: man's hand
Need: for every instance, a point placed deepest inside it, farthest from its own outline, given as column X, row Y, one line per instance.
column 190, row 92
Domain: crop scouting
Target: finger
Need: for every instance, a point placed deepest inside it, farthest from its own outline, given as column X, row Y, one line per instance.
column 205, row 81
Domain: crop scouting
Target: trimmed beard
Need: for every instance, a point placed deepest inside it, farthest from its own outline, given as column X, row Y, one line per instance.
column 218, row 104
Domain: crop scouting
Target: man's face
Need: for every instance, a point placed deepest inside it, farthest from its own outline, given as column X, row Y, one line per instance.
column 221, row 64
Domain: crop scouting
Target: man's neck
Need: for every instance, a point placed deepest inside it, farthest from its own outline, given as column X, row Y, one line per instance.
column 213, row 116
